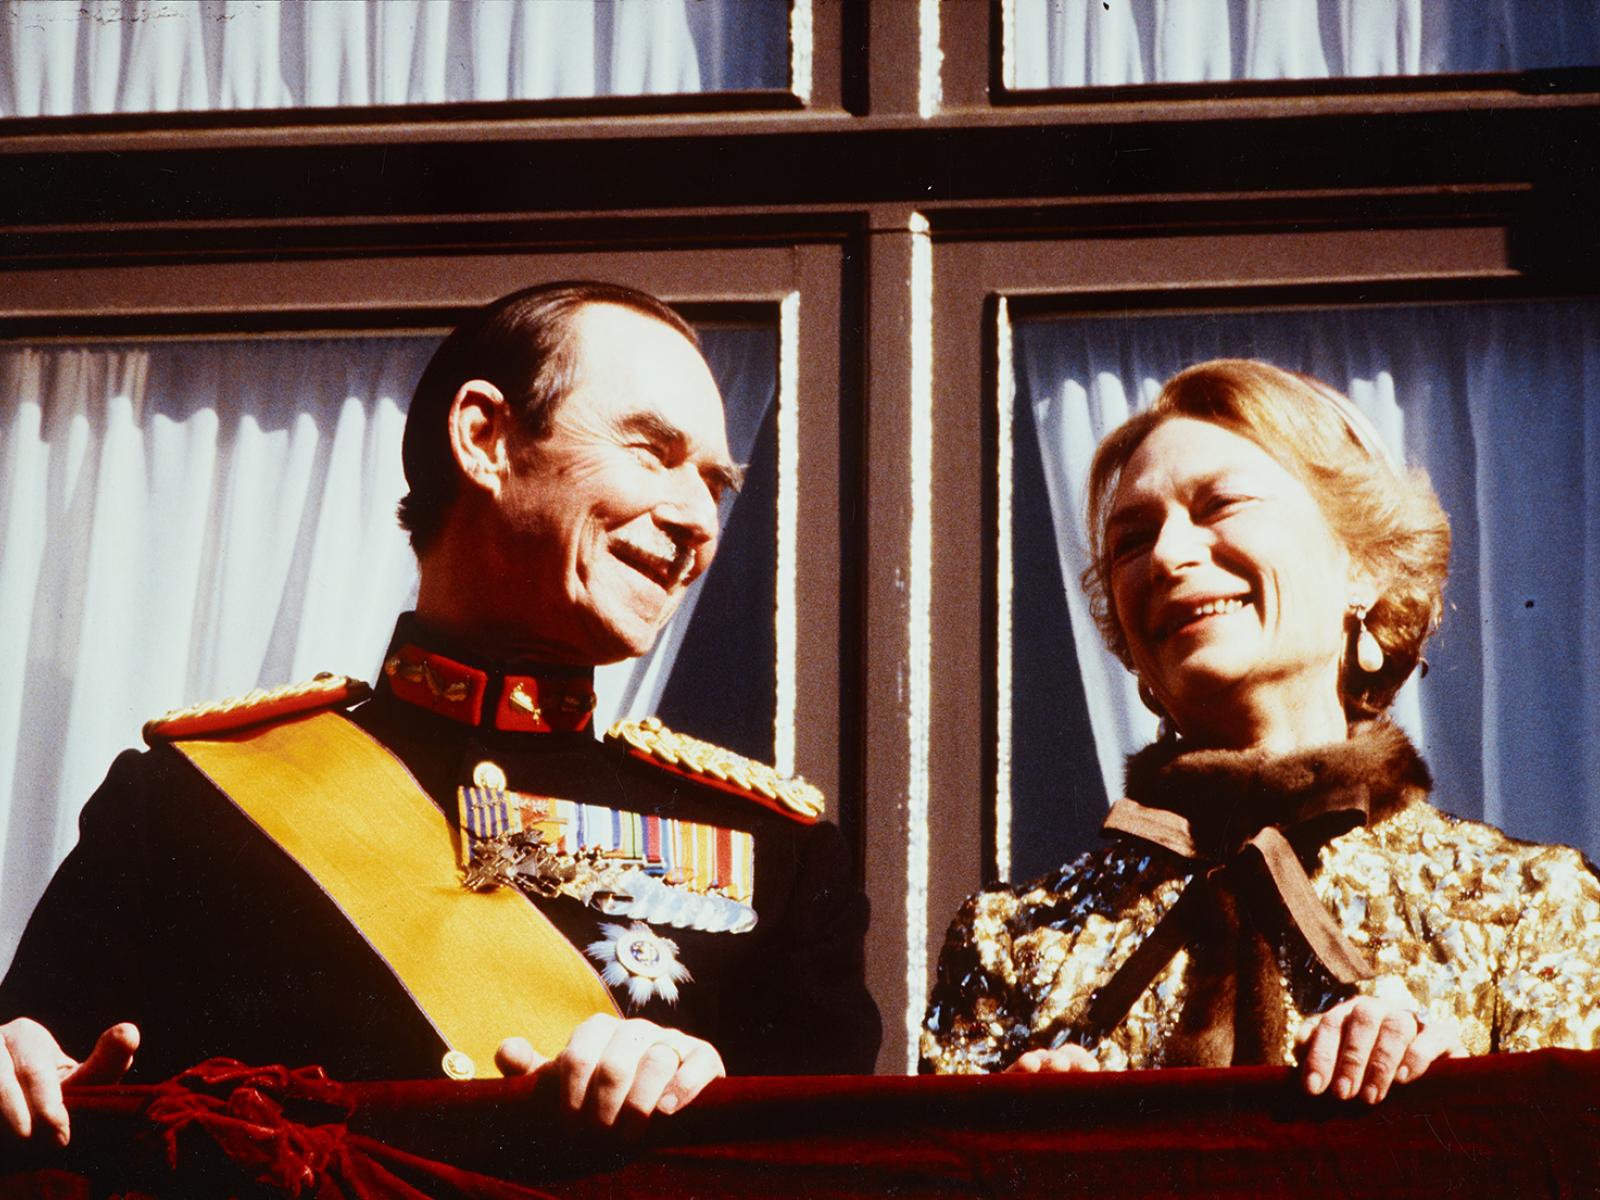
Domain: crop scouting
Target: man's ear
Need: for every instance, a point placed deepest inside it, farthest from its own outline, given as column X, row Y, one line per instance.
column 480, row 430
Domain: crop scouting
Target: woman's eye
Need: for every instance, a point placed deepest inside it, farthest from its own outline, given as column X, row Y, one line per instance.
column 1129, row 542
column 1221, row 505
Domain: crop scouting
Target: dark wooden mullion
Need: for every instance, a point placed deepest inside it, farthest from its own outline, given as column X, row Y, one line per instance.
column 299, row 295
column 962, row 750
column 886, row 649
column 843, row 161
column 824, row 572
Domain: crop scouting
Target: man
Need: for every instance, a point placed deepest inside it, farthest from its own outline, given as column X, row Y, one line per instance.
column 277, row 881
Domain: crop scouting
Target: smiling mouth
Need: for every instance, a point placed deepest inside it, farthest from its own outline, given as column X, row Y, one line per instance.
column 667, row 565
column 1182, row 616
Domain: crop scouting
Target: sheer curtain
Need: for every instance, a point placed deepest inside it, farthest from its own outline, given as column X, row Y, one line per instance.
column 1501, row 404
column 184, row 521
column 1074, row 43
column 60, row 57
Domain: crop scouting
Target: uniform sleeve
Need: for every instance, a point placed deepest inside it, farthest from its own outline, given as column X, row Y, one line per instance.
column 817, row 1017
column 1549, row 993
column 969, row 1028
column 77, row 967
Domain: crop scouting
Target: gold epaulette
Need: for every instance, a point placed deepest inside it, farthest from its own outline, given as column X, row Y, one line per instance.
column 255, row 708
column 652, row 742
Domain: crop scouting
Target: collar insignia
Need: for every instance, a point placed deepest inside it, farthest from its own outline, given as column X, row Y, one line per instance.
column 552, row 702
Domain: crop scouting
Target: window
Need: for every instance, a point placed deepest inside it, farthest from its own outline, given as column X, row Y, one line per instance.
column 140, row 56
column 1076, row 44
column 1496, row 401
column 895, row 204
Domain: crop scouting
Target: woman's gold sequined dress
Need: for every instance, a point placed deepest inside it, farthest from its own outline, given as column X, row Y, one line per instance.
column 1455, row 918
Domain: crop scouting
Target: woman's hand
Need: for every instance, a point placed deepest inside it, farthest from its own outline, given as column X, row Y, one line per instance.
column 1053, row 1062
column 1364, row 1044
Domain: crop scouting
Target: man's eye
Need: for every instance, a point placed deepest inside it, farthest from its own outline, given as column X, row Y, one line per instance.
column 647, row 453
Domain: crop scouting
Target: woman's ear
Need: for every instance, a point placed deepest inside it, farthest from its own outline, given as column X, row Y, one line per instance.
column 1364, row 590
column 479, row 428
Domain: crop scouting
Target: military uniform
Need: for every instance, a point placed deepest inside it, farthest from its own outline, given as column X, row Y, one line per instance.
column 177, row 912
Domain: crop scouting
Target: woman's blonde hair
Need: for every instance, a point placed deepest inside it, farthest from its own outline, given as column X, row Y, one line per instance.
column 1389, row 520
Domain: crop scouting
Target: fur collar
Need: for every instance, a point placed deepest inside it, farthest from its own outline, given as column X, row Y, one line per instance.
column 1252, row 788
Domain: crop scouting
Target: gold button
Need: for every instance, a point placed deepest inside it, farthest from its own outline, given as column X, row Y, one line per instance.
column 457, row 1065
column 488, row 775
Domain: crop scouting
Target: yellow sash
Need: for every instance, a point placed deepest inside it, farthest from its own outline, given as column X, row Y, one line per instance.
column 480, row 966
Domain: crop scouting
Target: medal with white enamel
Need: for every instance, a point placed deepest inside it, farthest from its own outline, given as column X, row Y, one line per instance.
column 639, row 958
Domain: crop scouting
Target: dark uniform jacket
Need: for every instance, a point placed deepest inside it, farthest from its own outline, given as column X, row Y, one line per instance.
column 176, row 913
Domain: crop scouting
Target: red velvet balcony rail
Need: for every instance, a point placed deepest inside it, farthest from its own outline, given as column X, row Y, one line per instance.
column 1517, row 1125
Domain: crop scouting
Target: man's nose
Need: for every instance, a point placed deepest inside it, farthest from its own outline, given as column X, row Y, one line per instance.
column 692, row 508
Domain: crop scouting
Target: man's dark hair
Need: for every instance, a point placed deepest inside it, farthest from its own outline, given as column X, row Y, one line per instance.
column 521, row 343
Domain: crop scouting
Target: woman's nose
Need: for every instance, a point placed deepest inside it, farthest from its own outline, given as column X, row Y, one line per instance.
column 1179, row 544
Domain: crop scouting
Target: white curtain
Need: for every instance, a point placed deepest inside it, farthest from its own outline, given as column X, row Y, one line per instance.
column 184, row 521
column 1501, row 404
column 1077, row 43
column 61, row 57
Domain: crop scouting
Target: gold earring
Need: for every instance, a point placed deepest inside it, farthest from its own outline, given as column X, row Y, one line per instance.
column 1369, row 654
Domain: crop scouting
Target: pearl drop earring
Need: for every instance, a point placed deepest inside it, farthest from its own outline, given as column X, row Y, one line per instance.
column 1369, row 654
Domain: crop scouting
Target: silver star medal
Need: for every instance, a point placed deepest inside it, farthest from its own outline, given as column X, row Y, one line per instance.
column 638, row 956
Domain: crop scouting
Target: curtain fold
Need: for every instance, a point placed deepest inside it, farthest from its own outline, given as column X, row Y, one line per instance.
column 1076, row 43
column 100, row 56
column 1501, row 404
column 184, row 521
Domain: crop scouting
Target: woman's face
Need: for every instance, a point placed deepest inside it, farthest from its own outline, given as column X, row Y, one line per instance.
column 1228, row 585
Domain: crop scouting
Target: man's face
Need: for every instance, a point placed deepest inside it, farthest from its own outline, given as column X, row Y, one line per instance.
column 606, row 520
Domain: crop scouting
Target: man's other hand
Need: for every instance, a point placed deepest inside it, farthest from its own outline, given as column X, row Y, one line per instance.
column 613, row 1068
column 33, row 1069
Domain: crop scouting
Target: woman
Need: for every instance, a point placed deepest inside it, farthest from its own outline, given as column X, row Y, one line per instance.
column 1276, row 885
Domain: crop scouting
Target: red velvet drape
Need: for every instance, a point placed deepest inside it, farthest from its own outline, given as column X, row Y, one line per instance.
column 1515, row 1125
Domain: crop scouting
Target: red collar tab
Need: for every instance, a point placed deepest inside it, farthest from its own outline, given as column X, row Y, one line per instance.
column 554, row 703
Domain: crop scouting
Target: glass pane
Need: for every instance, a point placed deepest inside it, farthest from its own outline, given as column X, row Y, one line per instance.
column 1075, row 43
column 108, row 56
column 184, row 521
column 1500, row 403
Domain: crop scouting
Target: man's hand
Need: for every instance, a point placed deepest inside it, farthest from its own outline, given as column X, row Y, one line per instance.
column 612, row 1067
column 1365, row 1044
column 1054, row 1062
column 33, row 1069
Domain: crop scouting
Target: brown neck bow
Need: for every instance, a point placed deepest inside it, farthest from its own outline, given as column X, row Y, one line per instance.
column 1241, row 820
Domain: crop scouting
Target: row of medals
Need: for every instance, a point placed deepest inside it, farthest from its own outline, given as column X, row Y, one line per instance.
column 633, row 954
